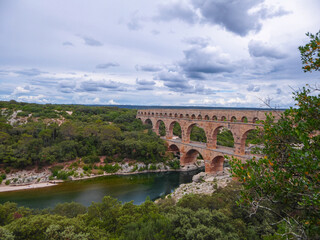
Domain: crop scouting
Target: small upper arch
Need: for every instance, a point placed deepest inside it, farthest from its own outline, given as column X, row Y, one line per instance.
column 233, row 119
column 199, row 117
column 244, row 119
column 193, row 116
column 206, row 117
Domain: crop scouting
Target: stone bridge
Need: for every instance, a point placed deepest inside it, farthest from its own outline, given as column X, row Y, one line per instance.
column 239, row 122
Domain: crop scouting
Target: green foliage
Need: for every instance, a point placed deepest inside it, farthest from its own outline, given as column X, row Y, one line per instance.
column 91, row 159
column 225, row 138
column 88, row 133
column 174, row 164
column 310, row 53
column 7, row 182
column 286, row 180
column 198, row 134
column 69, row 210
column 176, row 129
column 109, row 168
column 162, row 129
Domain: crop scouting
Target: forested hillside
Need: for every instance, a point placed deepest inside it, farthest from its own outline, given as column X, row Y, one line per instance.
column 46, row 134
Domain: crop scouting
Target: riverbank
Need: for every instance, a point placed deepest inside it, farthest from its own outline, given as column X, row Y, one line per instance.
column 203, row 183
column 31, row 179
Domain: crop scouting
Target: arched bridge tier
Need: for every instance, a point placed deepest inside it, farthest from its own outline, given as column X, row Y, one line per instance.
column 239, row 122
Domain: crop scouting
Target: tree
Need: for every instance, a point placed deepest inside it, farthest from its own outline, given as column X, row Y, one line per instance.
column 310, row 53
column 286, row 181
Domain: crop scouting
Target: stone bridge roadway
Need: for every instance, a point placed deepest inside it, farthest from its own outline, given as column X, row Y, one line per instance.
column 239, row 122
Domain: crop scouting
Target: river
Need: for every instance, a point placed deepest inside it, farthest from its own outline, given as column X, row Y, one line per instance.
column 125, row 188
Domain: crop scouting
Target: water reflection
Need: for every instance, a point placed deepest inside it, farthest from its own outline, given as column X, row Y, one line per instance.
column 125, row 188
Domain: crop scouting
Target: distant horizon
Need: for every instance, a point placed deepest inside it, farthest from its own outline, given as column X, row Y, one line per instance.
column 134, row 106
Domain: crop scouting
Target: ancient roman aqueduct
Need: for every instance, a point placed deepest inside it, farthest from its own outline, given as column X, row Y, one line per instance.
column 239, row 122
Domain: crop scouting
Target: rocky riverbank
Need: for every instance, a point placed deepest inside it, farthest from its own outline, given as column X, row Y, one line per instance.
column 27, row 179
column 203, row 183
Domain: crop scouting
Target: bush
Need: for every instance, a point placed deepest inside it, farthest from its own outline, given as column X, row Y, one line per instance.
column 7, row 170
column 153, row 167
column 7, row 182
column 111, row 168
column 175, row 164
column 3, row 176
column 91, row 159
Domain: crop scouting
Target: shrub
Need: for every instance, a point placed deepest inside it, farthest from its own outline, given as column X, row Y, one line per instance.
column 175, row 164
column 91, row 159
column 152, row 167
column 7, row 182
column 3, row 176
column 8, row 170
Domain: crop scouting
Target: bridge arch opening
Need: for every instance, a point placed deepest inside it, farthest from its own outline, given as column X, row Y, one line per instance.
column 191, row 157
column 214, row 118
column 170, row 114
column 161, row 127
column 196, row 133
column 233, row 119
column 244, row 119
column 255, row 120
column 175, row 129
column 175, row 150
column 199, row 117
column 181, row 116
column 223, row 137
column 206, row 117
column 148, row 123
column 216, row 164
column 249, row 139
column 223, row 118
column 187, row 115
column 193, row 116
column 176, row 115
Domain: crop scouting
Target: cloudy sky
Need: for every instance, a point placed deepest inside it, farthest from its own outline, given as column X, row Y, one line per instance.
column 232, row 53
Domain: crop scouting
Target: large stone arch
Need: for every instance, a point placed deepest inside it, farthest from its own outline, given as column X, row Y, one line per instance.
column 186, row 137
column 190, row 157
column 243, row 139
column 148, row 121
column 157, row 127
column 175, row 150
column 215, row 133
column 216, row 165
column 170, row 128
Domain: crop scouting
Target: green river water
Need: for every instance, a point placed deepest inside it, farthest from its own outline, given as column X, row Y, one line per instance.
column 125, row 188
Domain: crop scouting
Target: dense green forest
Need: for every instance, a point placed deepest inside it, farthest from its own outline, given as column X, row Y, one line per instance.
column 88, row 132
column 192, row 217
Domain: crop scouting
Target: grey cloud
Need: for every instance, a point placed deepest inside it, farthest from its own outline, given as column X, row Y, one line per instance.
column 67, row 43
column 176, row 11
column 107, row 65
column 135, row 23
column 199, row 61
column 198, row 41
column 145, row 82
column 92, row 42
column 259, row 49
column 93, row 86
column 266, row 12
column 30, row 72
column 155, row 32
column 67, row 84
column 169, row 76
column 279, row 91
column 148, row 68
column 144, row 88
column 231, row 14
column 253, row 88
